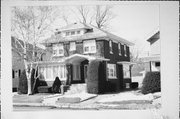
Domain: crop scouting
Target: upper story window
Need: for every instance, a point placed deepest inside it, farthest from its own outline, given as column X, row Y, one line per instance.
column 72, row 46
column 58, row 50
column 111, row 70
column 119, row 48
column 110, row 47
column 125, row 50
column 89, row 46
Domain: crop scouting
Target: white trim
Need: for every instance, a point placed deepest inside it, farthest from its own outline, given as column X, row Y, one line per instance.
column 114, row 73
column 119, row 49
column 89, row 44
column 110, row 46
column 125, row 50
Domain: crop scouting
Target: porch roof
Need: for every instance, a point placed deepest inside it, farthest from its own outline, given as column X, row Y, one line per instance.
column 150, row 58
column 80, row 57
column 126, row 62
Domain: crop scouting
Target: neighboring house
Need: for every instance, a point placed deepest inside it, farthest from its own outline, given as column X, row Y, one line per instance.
column 72, row 47
column 17, row 60
column 152, row 62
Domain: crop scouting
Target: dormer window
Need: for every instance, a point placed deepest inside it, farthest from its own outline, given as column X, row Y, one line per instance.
column 72, row 32
column 78, row 32
column 67, row 33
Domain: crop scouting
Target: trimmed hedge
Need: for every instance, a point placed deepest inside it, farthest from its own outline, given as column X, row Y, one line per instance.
column 151, row 83
column 23, row 87
column 92, row 77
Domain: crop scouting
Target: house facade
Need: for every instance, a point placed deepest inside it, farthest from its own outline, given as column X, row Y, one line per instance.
column 152, row 62
column 17, row 59
column 73, row 47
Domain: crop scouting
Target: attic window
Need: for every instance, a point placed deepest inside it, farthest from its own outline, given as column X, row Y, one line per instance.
column 67, row 33
column 72, row 32
column 78, row 32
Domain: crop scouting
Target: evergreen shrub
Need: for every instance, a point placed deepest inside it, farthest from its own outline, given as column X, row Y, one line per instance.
column 151, row 83
column 23, row 87
column 92, row 77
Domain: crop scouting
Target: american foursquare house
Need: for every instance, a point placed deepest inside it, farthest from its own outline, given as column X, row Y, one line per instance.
column 72, row 47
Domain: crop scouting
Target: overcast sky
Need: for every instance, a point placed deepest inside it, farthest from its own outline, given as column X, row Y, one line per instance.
column 131, row 22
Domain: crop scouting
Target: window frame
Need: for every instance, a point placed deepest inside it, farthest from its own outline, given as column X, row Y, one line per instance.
column 111, row 67
column 110, row 47
column 57, row 48
column 125, row 50
column 119, row 49
column 126, row 72
column 70, row 46
column 78, row 32
column 92, row 43
column 68, row 33
column 73, row 33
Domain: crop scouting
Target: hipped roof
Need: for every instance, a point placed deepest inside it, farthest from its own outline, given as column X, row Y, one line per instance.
column 95, row 34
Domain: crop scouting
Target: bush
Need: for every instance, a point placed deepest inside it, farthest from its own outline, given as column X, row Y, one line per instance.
column 23, row 87
column 151, row 83
column 134, row 85
column 92, row 77
column 56, row 85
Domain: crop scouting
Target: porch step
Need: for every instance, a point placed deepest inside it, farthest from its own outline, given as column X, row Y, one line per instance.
column 76, row 88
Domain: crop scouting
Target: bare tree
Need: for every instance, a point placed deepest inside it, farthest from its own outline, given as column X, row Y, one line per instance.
column 98, row 15
column 31, row 24
column 84, row 12
column 103, row 15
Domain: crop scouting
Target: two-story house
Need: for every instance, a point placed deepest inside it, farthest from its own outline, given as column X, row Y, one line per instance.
column 152, row 62
column 72, row 47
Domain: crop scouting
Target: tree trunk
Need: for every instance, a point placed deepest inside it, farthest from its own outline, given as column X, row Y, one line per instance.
column 28, row 70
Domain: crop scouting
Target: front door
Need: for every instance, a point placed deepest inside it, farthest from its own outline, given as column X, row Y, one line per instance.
column 76, row 73
column 85, row 72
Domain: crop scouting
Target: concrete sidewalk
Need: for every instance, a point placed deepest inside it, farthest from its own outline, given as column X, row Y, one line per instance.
column 124, row 100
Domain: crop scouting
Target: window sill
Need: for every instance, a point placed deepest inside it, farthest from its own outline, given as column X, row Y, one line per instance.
column 57, row 55
column 89, row 52
column 112, row 77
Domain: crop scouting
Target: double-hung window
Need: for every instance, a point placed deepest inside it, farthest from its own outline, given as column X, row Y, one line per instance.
column 72, row 46
column 89, row 46
column 125, row 50
column 111, row 71
column 126, row 71
column 110, row 47
column 119, row 48
column 58, row 50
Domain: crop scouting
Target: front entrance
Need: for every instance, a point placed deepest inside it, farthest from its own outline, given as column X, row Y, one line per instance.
column 79, row 72
column 85, row 72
